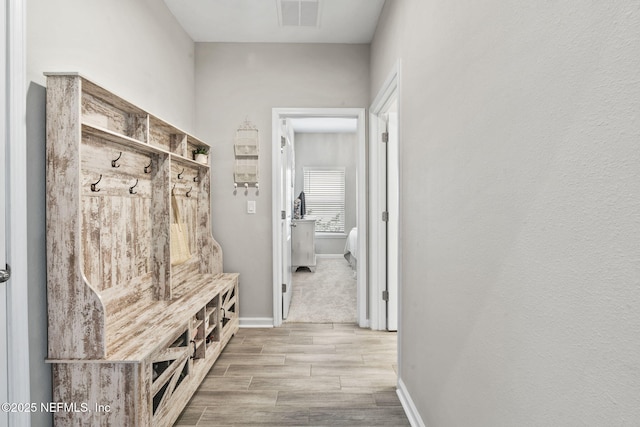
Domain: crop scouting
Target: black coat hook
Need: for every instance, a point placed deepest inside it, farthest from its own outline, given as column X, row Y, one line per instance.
column 114, row 162
column 93, row 186
column 131, row 188
column 180, row 174
column 147, row 169
column 188, row 193
column 196, row 178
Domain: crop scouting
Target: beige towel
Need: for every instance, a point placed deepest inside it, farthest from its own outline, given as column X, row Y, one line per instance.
column 179, row 235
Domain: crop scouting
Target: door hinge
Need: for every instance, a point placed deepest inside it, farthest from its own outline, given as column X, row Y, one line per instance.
column 385, row 295
column 385, row 136
column 385, row 216
column 283, row 141
column 284, row 288
column 283, row 215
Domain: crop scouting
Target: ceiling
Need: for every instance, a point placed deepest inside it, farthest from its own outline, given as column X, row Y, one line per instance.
column 278, row 21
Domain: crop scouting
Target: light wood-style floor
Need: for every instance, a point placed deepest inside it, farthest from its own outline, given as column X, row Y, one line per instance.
column 302, row 374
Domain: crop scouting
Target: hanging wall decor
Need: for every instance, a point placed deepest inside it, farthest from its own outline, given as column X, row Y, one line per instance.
column 246, row 148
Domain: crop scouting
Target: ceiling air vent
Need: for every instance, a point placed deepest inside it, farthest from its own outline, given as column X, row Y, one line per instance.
column 298, row 13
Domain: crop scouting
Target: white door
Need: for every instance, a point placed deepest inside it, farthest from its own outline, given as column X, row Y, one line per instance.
column 4, row 166
column 287, row 180
column 393, row 223
column 388, row 234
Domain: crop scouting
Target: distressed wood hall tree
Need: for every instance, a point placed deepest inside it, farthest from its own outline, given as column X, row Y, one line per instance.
column 132, row 331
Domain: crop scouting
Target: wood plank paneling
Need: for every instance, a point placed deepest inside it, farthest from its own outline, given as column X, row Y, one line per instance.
column 71, row 332
column 139, row 126
column 105, row 95
column 117, row 225
column 90, row 224
column 102, row 114
column 167, row 137
column 177, row 144
column 117, row 235
column 211, row 252
column 160, row 226
column 75, row 382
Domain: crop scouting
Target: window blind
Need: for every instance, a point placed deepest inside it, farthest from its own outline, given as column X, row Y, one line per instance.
column 324, row 198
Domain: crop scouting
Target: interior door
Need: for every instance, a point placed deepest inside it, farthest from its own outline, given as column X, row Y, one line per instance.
column 393, row 222
column 287, row 178
column 4, row 167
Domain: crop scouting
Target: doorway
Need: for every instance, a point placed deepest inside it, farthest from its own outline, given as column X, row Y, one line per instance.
column 325, row 262
column 281, row 217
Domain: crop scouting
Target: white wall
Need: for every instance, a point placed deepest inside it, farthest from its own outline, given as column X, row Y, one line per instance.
column 239, row 81
column 386, row 44
column 330, row 150
column 519, row 128
column 135, row 48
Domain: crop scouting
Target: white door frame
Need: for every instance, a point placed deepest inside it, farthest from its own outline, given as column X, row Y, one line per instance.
column 4, row 164
column 286, row 203
column 377, row 235
column 283, row 113
column 16, row 220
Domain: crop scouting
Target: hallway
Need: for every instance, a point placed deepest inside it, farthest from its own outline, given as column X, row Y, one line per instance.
column 313, row 374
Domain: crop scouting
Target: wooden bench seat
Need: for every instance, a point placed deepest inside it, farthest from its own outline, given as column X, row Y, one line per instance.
column 143, row 332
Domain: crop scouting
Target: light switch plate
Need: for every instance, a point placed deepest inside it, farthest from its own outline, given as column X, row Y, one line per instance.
column 251, row 206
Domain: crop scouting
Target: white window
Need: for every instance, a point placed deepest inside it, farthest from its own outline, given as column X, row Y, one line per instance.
column 324, row 198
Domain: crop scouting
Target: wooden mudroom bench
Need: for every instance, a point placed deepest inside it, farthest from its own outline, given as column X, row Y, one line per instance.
column 134, row 340
column 135, row 321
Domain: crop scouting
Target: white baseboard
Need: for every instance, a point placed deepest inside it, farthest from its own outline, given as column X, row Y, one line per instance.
column 256, row 322
column 407, row 404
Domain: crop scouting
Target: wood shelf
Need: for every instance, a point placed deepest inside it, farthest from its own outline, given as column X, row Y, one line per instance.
column 126, row 141
column 187, row 161
column 111, row 136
